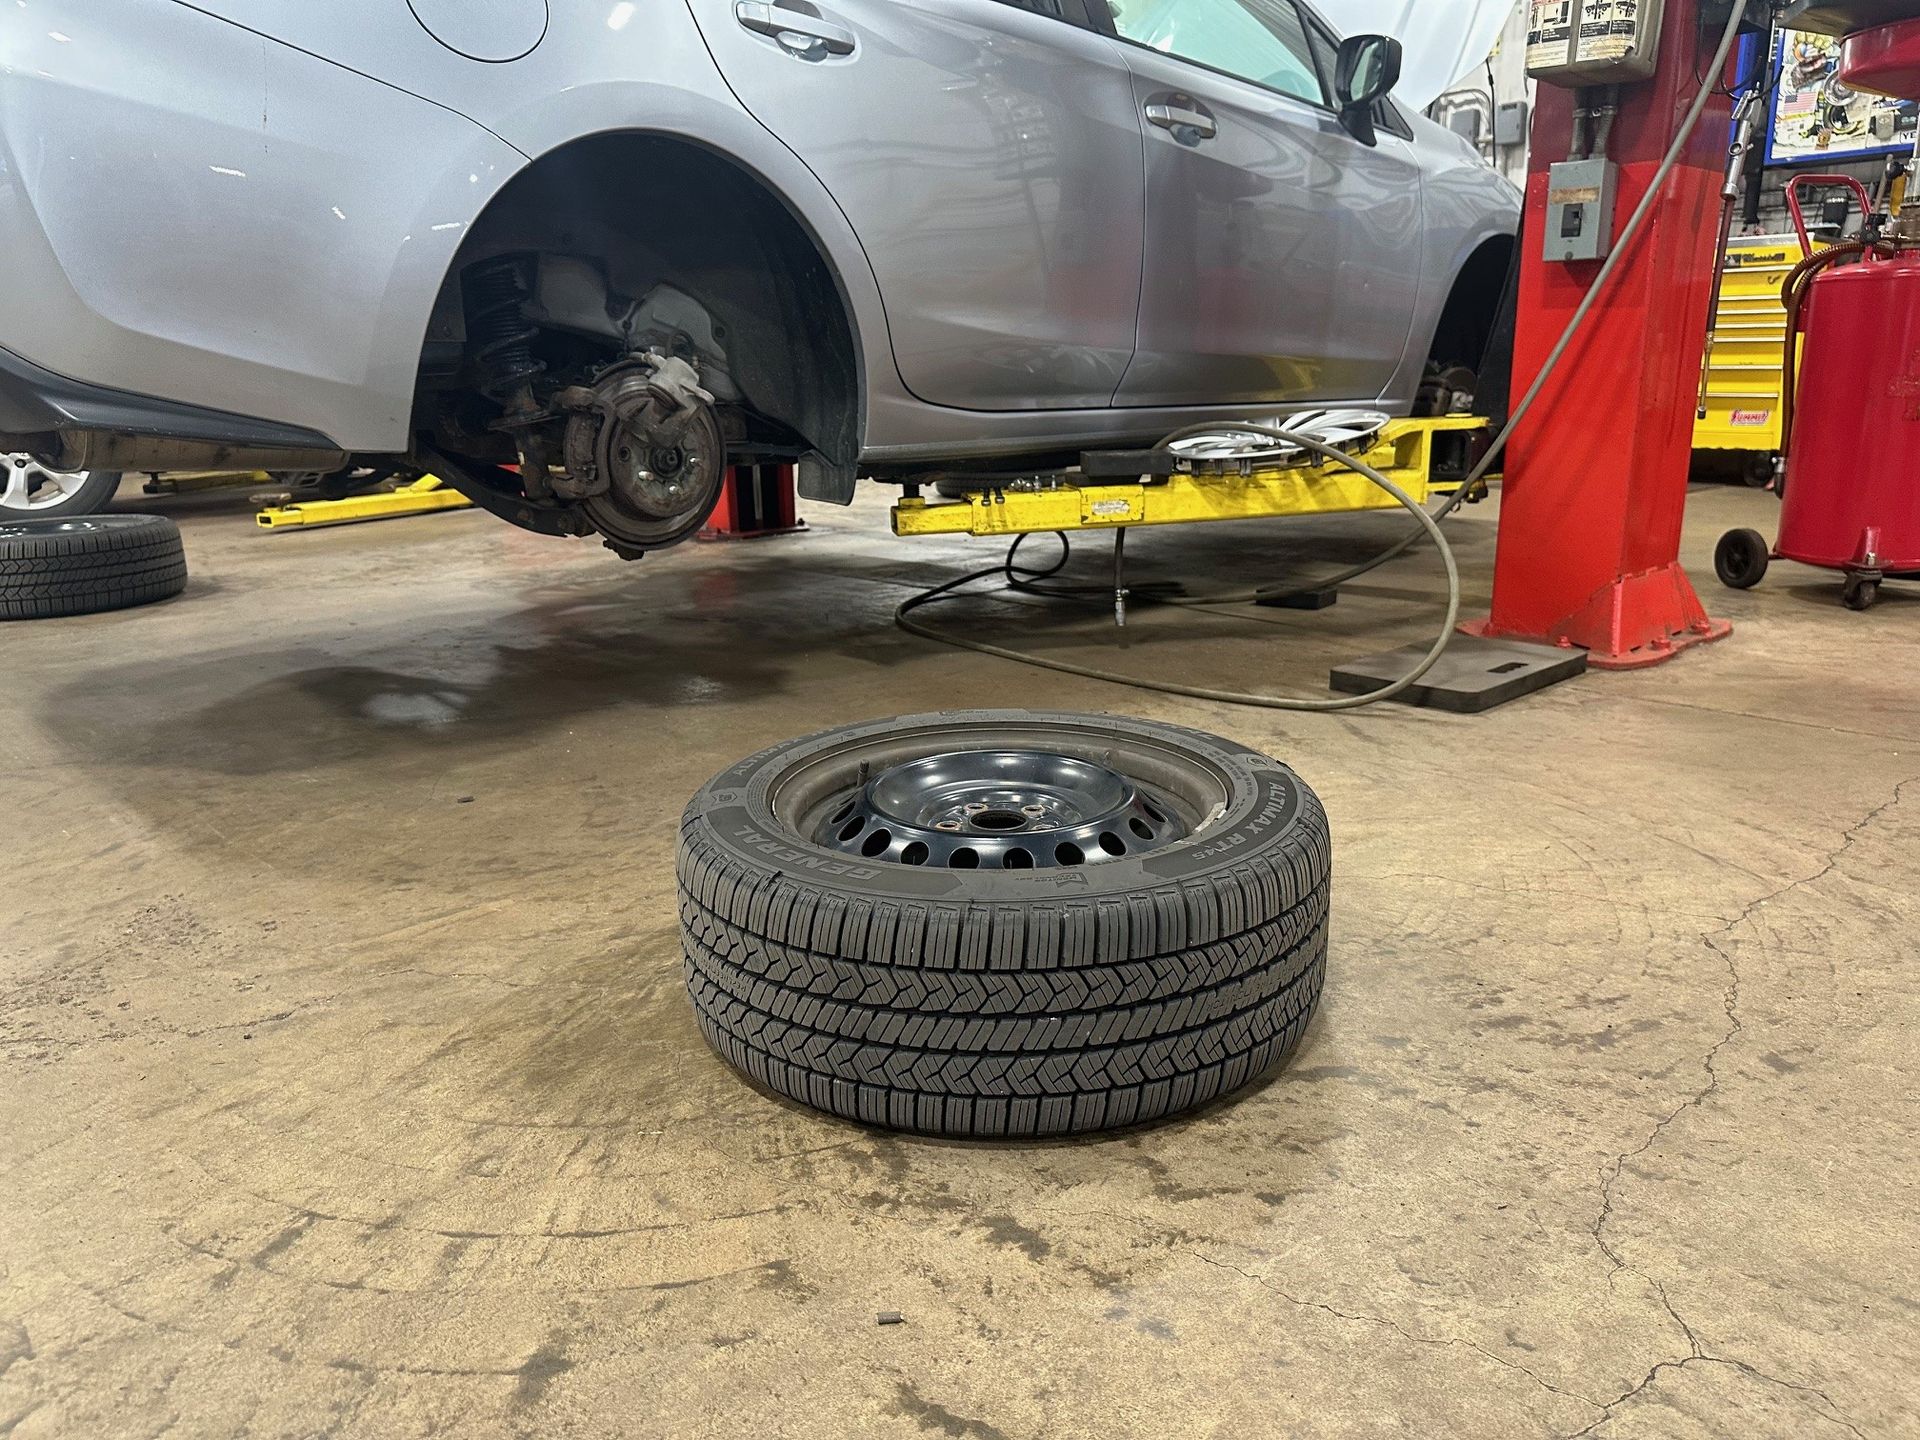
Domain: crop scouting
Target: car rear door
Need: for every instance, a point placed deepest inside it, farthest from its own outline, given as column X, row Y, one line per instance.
column 1282, row 255
column 988, row 156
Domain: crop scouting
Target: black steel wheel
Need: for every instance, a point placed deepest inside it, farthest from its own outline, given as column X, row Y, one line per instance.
column 1002, row 923
column 1740, row 559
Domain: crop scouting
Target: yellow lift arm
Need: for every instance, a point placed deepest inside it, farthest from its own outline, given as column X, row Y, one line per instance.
column 416, row 498
column 1403, row 451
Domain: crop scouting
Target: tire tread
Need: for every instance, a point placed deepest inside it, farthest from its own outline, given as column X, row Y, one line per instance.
column 79, row 572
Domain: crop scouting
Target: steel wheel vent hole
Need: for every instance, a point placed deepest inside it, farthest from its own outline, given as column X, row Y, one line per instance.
column 1017, row 859
column 964, row 860
column 1152, row 810
column 853, row 827
column 914, row 854
column 1000, row 820
column 843, row 812
column 1068, row 853
column 1140, row 828
column 876, row 842
column 1112, row 843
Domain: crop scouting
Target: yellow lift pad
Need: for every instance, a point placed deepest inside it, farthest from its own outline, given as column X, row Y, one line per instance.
column 1403, row 452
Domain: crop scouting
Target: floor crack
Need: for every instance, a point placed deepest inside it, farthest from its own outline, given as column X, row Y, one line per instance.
column 1833, row 1415
column 1610, row 1173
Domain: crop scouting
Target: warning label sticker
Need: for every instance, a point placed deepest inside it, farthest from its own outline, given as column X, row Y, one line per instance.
column 1609, row 30
column 1549, row 32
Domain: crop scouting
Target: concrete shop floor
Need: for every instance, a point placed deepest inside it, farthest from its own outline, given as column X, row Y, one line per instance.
column 350, row 1090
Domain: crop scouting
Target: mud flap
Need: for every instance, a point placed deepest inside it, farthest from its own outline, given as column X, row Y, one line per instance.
column 820, row 480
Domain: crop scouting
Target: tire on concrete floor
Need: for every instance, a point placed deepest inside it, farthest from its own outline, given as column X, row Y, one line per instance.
column 81, row 564
column 825, row 963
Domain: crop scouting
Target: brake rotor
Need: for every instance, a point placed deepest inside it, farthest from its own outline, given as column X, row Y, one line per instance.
column 999, row 810
column 647, row 435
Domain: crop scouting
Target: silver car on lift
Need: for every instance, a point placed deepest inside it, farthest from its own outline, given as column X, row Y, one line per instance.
column 577, row 256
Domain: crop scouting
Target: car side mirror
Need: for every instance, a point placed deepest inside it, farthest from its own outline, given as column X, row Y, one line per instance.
column 1367, row 67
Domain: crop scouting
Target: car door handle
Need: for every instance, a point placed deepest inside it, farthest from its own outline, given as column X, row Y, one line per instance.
column 1179, row 117
column 776, row 20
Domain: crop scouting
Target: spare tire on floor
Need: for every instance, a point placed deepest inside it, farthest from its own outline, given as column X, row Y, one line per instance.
column 80, row 564
column 1000, row 923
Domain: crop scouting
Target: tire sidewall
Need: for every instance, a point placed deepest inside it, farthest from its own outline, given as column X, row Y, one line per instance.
column 1266, row 803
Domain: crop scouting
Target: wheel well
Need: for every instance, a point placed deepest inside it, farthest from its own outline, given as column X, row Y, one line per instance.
column 656, row 209
column 1467, row 322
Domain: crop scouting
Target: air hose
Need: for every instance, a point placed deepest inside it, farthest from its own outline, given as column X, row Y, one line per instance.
column 1429, row 523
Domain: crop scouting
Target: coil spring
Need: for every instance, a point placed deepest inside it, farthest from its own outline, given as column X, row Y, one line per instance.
column 495, row 291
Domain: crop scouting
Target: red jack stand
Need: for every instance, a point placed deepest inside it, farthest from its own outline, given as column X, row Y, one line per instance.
column 757, row 501
column 1596, row 476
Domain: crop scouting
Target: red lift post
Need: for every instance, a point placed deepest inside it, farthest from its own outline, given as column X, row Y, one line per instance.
column 1596, row 475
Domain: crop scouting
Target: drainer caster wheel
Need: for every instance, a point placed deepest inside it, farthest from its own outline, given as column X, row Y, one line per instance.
column 997, row 923
column 1860, row 592
column 1759, row 470
column 1740, row 559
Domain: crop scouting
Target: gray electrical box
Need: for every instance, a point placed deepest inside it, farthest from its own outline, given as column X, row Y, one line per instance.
column 1580, row 210
column 1592, row 42
column 1510, row 123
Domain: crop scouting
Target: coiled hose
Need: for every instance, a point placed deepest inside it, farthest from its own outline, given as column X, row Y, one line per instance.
column 1429, row 525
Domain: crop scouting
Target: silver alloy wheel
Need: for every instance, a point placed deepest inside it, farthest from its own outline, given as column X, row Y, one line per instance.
column 32, row 485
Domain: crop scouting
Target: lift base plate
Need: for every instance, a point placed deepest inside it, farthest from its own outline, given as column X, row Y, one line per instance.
column 1474, row 675
column 1302, row 600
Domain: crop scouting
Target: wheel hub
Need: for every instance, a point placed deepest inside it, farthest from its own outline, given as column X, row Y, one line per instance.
column 999, row 810
column 643, row 449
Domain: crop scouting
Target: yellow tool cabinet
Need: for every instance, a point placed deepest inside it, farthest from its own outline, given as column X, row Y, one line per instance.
column 1743, row 367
